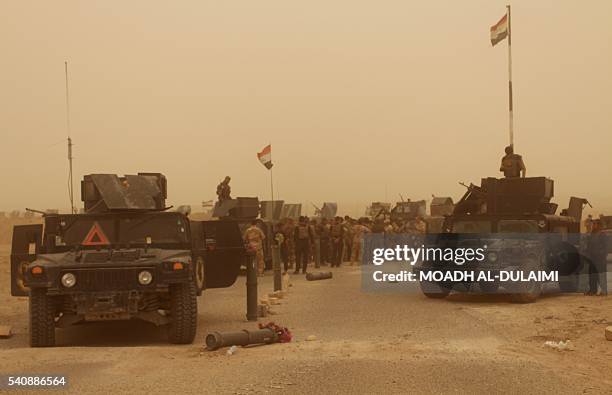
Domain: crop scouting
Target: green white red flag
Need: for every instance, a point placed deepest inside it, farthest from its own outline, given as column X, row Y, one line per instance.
column 265, row 156
column 499, row 31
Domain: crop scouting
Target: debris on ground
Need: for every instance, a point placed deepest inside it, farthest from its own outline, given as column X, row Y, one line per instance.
column 609, row 333
column 283, row 334
column 232, row 350
column 319, row 276
column 276, row 294
column 560, row 345
column 311, row 338
column 6, row 331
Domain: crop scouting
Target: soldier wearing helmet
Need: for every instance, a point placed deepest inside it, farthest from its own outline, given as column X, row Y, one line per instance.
column 512, row 164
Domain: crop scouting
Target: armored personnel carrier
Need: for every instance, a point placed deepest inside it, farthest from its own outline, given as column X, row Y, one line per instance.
column 515, row 220
column 125, row 257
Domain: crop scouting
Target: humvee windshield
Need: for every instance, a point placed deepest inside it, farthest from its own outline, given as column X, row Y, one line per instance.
column 472, row 227
column 157, row 228
column 517, row 226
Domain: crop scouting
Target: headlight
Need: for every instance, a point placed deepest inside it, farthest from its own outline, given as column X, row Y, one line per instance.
column 68, row 280
column 145, row 277
column 492, row 257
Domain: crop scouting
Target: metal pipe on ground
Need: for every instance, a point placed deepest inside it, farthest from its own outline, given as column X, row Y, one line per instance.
column 216, row 340
column 319, row 276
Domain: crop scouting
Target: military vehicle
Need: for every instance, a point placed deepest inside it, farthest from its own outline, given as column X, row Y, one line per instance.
column 377, row 209
column 126, row 257
column 515, row 219
column 408, row 210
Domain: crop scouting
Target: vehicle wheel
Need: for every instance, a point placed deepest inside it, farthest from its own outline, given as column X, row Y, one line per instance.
column 568, row 283
column 527, row 292
column 434, row 290
column 183, row 313
column 199, row 275
column 42, row 319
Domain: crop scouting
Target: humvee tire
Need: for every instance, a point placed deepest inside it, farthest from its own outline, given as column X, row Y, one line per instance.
column 528, row 292
column 434, row 290
column 569, row 283
column 183, row 313
column 42, row 318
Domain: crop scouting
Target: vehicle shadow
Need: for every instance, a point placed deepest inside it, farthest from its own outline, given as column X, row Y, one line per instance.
column 490, row 298
column 131, row 333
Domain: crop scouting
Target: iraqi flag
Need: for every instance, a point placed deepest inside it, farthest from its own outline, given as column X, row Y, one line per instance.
column 265, row 156
column 499, row 31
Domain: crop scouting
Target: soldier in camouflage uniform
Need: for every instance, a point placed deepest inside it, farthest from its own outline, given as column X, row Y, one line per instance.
column 288, row 231
column 347, row 238
column 255, row 237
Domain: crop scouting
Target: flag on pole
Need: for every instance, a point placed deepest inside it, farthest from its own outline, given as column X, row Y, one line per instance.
column 499, row 31
column 265, row 156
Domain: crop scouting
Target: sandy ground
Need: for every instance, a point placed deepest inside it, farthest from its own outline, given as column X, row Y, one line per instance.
column 365, row 343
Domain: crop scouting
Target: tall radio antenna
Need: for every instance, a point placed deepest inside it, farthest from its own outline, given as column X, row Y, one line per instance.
column 70, row 184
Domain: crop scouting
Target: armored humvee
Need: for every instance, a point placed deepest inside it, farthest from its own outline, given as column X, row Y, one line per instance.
column 125, row 257
column 516, row 221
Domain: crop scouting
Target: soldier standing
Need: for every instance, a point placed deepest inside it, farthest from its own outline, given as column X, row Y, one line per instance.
column 224, row 190
column 359, row 229
column 588, row 223
column 316, row 250
column 420, row 226
column 324, row 233
column 255, row 237
column 303, row 239
column 348, row 237
column 598, row 251
column 289, row 231
column 337, row 239
column 512, row 165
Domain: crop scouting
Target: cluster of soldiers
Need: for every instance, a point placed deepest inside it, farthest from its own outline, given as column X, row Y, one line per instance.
column 322, row 241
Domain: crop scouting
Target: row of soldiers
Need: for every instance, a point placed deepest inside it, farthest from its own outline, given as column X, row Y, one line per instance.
column 323, row 241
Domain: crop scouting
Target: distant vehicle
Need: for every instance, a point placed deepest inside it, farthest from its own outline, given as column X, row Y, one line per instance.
column 377, row 209
column 508, row 215
column 124, row 258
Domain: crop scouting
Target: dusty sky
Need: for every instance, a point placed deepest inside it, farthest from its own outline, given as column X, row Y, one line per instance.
column 361, row 100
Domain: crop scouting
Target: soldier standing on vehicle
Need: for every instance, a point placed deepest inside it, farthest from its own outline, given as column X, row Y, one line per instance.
column 303, row 239
column 255, row 237
column 512, row 165
column 597, row 249
column 224, row 190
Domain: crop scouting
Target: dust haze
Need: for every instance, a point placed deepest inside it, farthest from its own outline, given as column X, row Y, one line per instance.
column 360, row 100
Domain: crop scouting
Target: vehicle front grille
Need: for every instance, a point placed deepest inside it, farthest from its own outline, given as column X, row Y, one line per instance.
column 107, row 279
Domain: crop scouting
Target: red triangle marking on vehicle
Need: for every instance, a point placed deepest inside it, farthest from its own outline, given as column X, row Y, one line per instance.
column 95, row 237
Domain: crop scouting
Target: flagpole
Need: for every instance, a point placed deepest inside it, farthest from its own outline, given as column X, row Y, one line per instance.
column 510, row 103
column 272, row 188
column 271, row 182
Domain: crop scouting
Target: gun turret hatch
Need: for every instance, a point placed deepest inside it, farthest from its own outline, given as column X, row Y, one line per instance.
column 109, row 192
